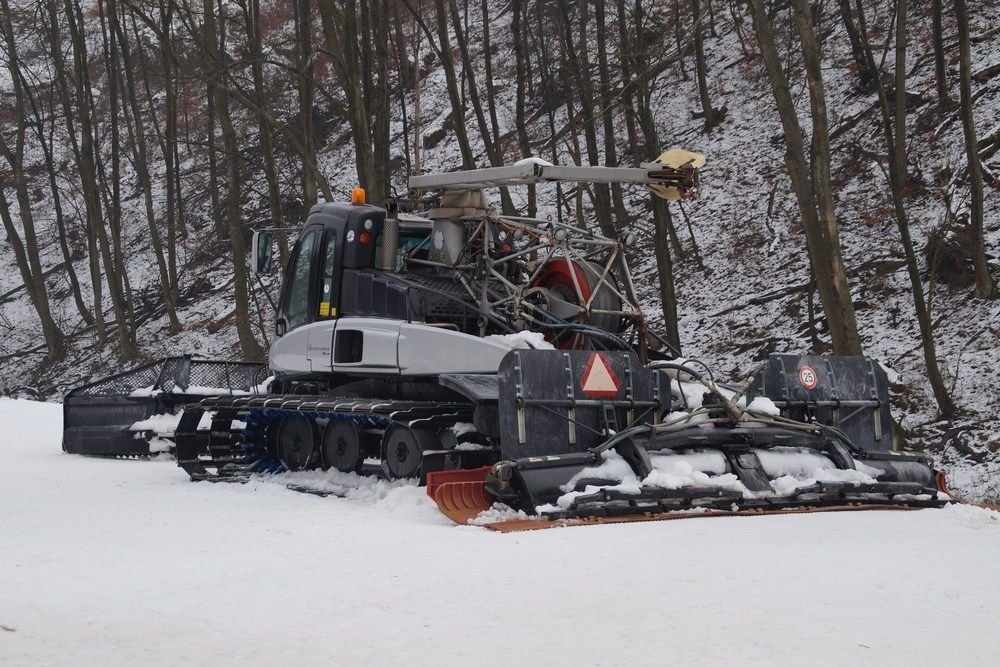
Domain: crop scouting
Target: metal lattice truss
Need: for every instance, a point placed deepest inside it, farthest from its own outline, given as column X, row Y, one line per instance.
column 544, row 275
column 504, row 261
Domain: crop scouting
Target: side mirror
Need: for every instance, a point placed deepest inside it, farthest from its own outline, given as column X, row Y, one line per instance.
column 262, row 250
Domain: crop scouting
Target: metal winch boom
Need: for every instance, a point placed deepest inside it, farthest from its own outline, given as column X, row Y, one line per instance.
column 674, row 175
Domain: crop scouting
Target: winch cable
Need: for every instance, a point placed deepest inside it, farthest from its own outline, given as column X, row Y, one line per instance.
column 585, row 329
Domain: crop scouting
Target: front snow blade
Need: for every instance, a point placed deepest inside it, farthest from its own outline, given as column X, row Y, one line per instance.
column 120, row 415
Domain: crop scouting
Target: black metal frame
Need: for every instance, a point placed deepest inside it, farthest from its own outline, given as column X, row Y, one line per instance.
column 97, row 417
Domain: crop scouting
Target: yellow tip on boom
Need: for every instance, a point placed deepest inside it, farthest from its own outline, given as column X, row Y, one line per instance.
column 681, row 160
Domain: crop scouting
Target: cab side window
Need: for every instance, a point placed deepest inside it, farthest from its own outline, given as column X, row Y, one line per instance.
column 298, row 292
column 328, row 289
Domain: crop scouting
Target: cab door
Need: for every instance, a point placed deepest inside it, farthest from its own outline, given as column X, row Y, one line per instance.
column 299, row 291
column 320, row 343
column 329, row 280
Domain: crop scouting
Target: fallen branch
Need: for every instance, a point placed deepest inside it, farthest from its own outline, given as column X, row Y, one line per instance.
column 987, row 73
column 888, row 263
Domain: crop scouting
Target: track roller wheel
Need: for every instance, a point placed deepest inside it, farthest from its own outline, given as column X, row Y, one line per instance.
column 297, row 443
column 403, row 450
column 341, row 448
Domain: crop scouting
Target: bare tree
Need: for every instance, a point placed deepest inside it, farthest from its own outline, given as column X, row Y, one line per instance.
column 216, row 36
column 810, row 179
column 87, row 167
column 251, row 17
column 340, row 29
column 701, row 68
column 66, row 100
column 945, row 103
column 26, row 254
column 894, row 135
column 578, row 63
column 46, row 141
column 986, row 287
column 304, row 61
column 141, row 163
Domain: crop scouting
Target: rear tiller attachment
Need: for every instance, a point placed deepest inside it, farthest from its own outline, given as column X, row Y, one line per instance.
column 595, row 436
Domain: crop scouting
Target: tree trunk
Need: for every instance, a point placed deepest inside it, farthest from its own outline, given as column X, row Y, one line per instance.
column 88, row 171
column 57, row 209
column 111, row 187
column 701, row 69
column 249, row 346
column 62, row 80
column 630, row 68
column 986, row 288
column 822, row 187
column 945, row 103
column 548, row 99
column 824, row 252
column 677, row 37
column 519, row 28
column 491, row 140
column 444, row 54
column 897, row 160
column 379, row 110
column 141, row 164
column 28, row 263
column 252, row 20
column 26, row 254
column 304, row 65
column 857, row 50
column 418, row 117
column 579, row 67
column 665, row 272
column 340, row 30
column 169, row 146
column 663, row 223
column 490, row 89
column 607, row 101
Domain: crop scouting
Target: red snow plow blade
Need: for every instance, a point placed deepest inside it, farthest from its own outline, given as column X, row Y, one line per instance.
column 460, row 494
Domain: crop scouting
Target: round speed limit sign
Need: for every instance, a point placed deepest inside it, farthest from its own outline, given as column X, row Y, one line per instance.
column 808, row 377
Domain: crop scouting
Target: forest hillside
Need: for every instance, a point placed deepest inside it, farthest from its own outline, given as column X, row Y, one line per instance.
column 849, row 202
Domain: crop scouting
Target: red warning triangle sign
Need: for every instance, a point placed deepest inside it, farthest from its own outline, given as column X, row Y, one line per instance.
column 599, row 379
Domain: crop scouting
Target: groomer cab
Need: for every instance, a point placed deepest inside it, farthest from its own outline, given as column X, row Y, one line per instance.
column 339, row 247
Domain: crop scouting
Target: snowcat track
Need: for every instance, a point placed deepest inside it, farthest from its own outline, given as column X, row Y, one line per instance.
column 225, row 453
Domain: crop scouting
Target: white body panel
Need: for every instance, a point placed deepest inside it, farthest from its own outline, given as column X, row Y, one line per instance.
column 320, row 345
column 288, row 353
column 378, row 354
column 425, row 350
column 388, row 347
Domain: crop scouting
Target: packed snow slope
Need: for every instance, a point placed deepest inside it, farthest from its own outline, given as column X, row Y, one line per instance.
column 122, row 562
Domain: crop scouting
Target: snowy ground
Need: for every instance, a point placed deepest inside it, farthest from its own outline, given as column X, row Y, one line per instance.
column 125, row 561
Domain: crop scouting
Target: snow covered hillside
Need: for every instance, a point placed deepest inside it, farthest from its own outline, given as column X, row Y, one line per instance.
column 122, row 562
column 741, row 282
